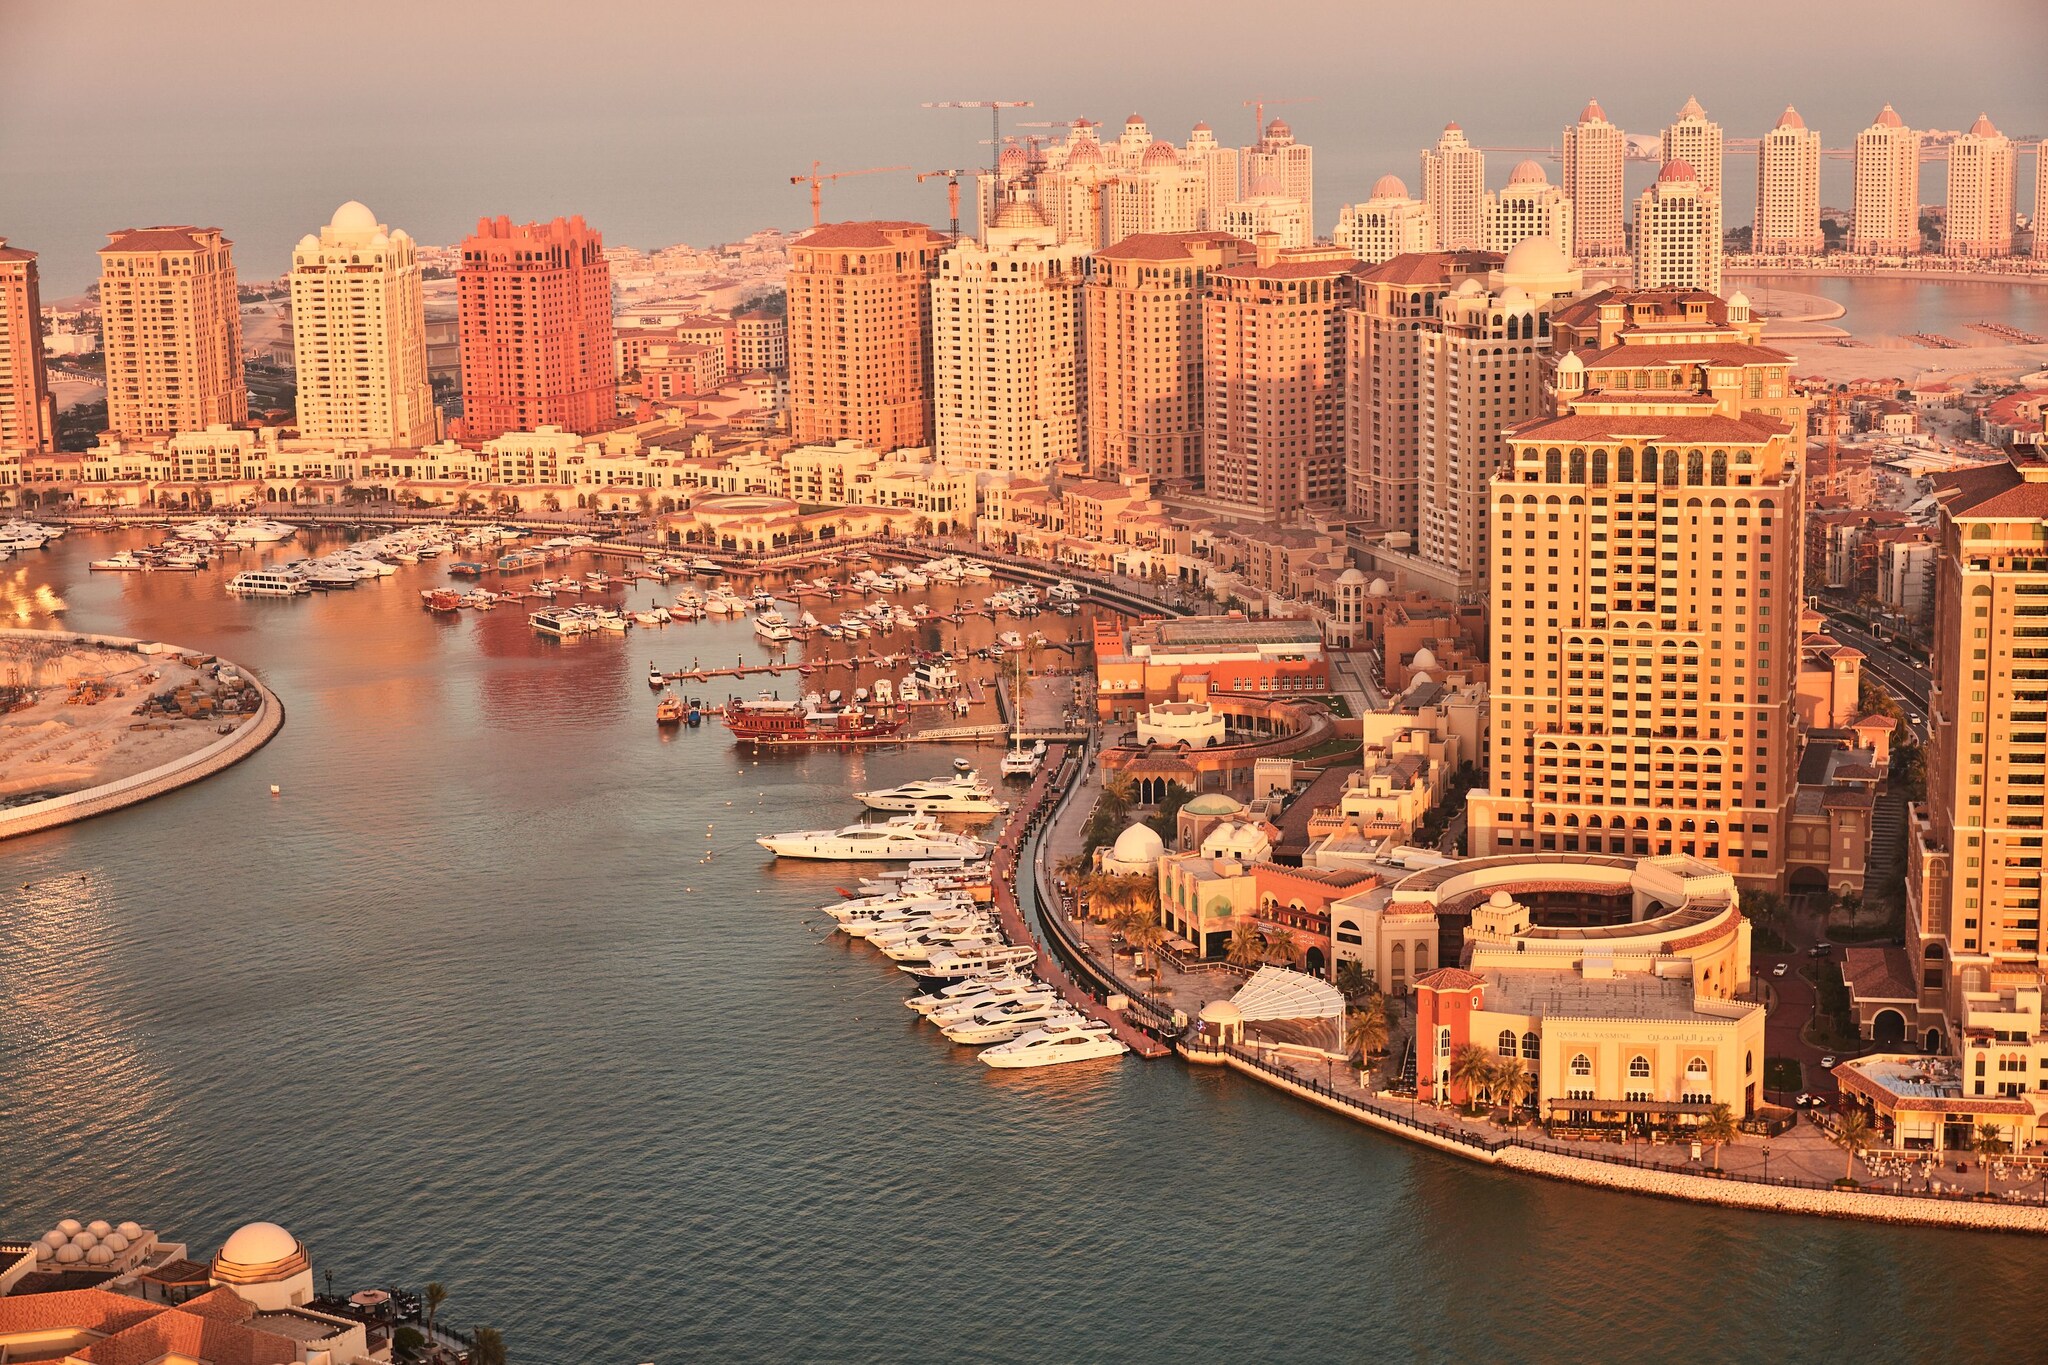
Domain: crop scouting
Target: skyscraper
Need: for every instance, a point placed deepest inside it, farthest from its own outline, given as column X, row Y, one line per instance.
column 1454, row 187
column 1593, row 154
column 1694, row 139
column 535, row 305
column 1643, row 660
column 1008, row 391
column 1273, row 359
column 1974, row 851
column 28, row 419
column 859, row 327
column 1387, row 225
column 1278, row 165
column 1530, row 206
column 171, row 328
column 1221, row 182
column 359, row 334
column 1788, row 190
column 1144, row 342
column 2040, row 201
column 1164, row 193
column 1678, row 233
column 1887, row 188
column 1980, row 193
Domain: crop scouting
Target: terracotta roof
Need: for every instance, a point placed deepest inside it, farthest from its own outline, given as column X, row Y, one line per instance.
column 1749, row 429
column 1161, row 246
column 881, row 233
column 14, row 253
column 1685, row 353
column 1449, row 979
column 1994, row 490
column 1291, row 270
column 99, row 1311
column 1430, row 267
column 159, row 239
column 1878, row 973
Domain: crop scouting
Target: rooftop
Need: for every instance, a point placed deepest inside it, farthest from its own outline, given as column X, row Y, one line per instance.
column 1232, row 630
column 1568, row 995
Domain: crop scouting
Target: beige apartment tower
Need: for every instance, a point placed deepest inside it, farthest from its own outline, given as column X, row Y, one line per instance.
column 1530, row 206
column 1887, row 188
column 1980, row 193
column 359, row 333
column 1387, row 225
column 1646, row 593
column 28, row 418
column 858, row 322
column 1694, row 139
column 1454, row 187
column 1594, row 150
column 1144, row 344
column 1788, row 190
column 172, row 331
column 1678, row 233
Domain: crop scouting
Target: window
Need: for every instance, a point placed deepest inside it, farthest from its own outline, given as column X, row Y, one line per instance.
column 1529, row 1048
column 1639, row 1068
column 1507, row 1042
column 1582, row 1065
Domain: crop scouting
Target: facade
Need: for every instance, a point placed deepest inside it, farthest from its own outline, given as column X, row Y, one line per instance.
column 1975, row 849
column 359, row 334
column 535, row 302
column 760, row 343
column 1387, row 225
column 1277, row 165
column 1788, row 190
column 1273, row 359
column 1382, row 358
column 1164, row 193
column 1282, row 218
column 1145, row 347
column 1694, row 139
column 1222, row 183
column 1140, row 663
column 858, row 322
column 28, row 417
column 1008, row 393
column 1454, row 187
column 1678, row 233
column 1980, row 193
column 1593, row 154
column 1529, row 206
column 1887, row 221
column 171, row 328
column 1667, row 603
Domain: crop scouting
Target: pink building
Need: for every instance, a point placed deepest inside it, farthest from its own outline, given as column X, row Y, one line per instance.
column 28, row 421
column 536, row 325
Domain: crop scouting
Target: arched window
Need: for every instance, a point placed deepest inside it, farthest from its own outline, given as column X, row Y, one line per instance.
column 1639, row 1068
column 1625, row 466
column 1671, row 469
column 1507, row 1042
column 1582, row 1065
column 1530, row 1051
column 1552, row 466
column 1695, row 468
column 1578, row 466
column 1599, row 467
column 1720, row 467
column 1696, row 1074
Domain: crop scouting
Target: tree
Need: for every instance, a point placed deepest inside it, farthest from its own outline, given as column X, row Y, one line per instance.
column 1147, row 935
column 1472, row 1068
column 1245, row 948
column 1117, row 795
column 1282, row 946
column 487, row 1347
column 1988, row 1142
column 1855, row 1135
column 1717, row 1130
column 1366, row 1028
column 437, row 1294
column 1511, row 1086
column 1167, row 820
column 1352, row 979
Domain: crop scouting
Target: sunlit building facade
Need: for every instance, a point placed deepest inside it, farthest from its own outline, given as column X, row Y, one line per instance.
column 171, row 327
column 1980, row 193
column 1593, row 153
column 28, row 418
column 1387, row 225
column 858, row 331
column 1529, row 206
column 1887, row 221
column 1678, row 233
column 359, row 334
column 1454, row 187
column 535, row 308
column 1788, row 190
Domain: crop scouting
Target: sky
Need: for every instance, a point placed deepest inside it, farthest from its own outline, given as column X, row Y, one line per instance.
column 679, row 120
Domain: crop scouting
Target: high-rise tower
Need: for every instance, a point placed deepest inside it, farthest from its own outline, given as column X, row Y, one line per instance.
column 359, row 334
column 1788, row 190
column 535, row 306
column 171, row 327
column 1887, row 188
column 1454, row 187
column 1593, row 154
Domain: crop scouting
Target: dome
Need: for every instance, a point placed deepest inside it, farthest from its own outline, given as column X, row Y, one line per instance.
column 379, row 239
column 309, row 243
column 55, row 1238
column 1160, row 154
column 1352, row 575
column 1389, row 187
column 1088, row 153
column 1377, row 588
column 1135, row 121
column 1592, row 113
column 1888, row 117
column 70, row 1254
column 1738, row 299
column 1424, row 658
column 1675, row 172
column 1453, row 128
column 258, row 1244
column 1692, row 109
column 1011, row 159
column 1213, row 803
column 85, row 1240
column 1528, row 173
column 1571, row 364
column 354, row 216
column 1500, row 900
column 1469, row 288
column 1983, row 127
column 1534, row 257
column 99, row 1227
column 98, row 1256
column 1019, row 213
column 130, row 1230
column 1278, row 129
column 1221, row 1012
column 67, row 1226
column 1420, row 680
column 1205, row 128
column 114, row 1241
column 1790, row 118
column 1515, row 297
column 1138, row 846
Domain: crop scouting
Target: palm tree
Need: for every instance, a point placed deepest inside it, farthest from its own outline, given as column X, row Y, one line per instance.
column 437, row 1294
column 1072, row 867
column 1281, row 945
column 1511, row 1086
column 1988, row 1142
column 1717, row 1130
column 1366, row 1028
column 1472, row 1068
column 1245, row 949
column 487, row 1347
column 1117, row 795
column 1855, row 1135
column 1351, row 978
column 1146, row 935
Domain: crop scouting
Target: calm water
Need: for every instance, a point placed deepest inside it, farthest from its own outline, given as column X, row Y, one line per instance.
column 468, row 1002
column 1893, row 307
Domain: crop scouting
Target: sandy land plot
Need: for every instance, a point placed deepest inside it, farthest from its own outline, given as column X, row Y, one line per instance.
column 53, row 748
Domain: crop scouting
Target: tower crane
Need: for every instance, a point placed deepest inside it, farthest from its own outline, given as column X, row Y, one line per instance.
column 995, row 113
column 1258, row 104
column 818, row 180
column 952, row 190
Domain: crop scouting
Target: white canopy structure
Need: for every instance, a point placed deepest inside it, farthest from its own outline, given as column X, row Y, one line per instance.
column 1277, row 993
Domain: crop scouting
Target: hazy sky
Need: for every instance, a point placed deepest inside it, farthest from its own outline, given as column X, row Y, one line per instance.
column 682, row 120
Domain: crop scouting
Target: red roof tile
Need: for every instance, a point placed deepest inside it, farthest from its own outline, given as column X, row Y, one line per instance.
column 159, row 239
column 880, row 233
column 1162, row 246
column 1749, row 429
column 1449, row 979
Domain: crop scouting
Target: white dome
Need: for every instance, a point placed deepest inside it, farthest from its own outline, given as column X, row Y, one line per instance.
column 1378, row 588
column 98, row 1256
column 1221, row 1012
column 115, row 1241
column 70, row 1254
column 1138, row 846
column 1515, row 297
column 1738, row 299
column 99, row 1227
column 354, row 216
column 1423, row 659
column 309, row 243
column 1419, row 679
column 1352, row 575
column 1469, row 287
column 1534, row 256
column 67, row 1226
column 85, row 1240
column 130, row 1230
column 1571, row 364
column 1500, row 900
column 55, row 1238
column 259, row 1244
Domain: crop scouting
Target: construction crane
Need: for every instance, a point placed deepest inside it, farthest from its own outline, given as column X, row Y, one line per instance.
column 818, row 180
column 1258, row 104
column 952, row 190
column 995, row 114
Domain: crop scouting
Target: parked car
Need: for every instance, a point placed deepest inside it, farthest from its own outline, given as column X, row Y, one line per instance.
column 1779, row 970
column 1827, row 1064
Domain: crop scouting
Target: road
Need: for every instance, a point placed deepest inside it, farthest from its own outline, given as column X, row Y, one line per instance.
column 1901, row 677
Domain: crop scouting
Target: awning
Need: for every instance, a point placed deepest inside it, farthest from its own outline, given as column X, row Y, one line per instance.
column 1631, row 1106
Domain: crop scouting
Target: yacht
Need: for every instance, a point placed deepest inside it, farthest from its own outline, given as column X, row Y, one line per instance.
column 1001, row 1023
column 259, row 531
column 974, row 568
column 1077, row 1040
column 1020, row 989
column 962, row 793
column 958, row 938
column 965, row 989
column 1022, row 762
column 329, row 576
column 773, row 627
column 880, row 923
column 902, row 839
column 1010, row 640
column 954, row 964
column 267, row 583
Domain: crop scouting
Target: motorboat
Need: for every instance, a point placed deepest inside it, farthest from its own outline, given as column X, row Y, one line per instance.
column 656, row 678
column 967, row 988
column 960, row 794
column 1001, row 1023
column 670, row 710
column 267, row 583
column 1010, row 640
column 902, row 839
column 1022, row 989
column 701, row 565
column 773, row 627
column 954, row 964
column 1021, row 762
column 1076, row 1040
column 954, row 938
column 258, row 531
column 974, row 568
column 877, row 920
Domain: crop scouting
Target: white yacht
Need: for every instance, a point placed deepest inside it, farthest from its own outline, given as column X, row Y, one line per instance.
column 1078, row 1040
column 960, row 939
column 964, row 989
column 974, row 568
column 773, row 627
column 902, row 839
column 1020, row 990
column 959, row 794
column 884, row 925
column 955, row 964
column 259, row 531
column 268, row 583
column 1000, row 1023
column 1022, row 762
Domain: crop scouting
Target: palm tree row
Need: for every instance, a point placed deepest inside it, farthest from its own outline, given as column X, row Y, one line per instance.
column 1491, row 1080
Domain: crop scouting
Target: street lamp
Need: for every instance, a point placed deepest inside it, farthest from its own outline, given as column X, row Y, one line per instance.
column 1767, row 1163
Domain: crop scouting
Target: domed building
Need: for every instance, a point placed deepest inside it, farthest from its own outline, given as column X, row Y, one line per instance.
column 266, row 1265
column 1137, row 850
column 1200, row 815
column 1528, row 207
